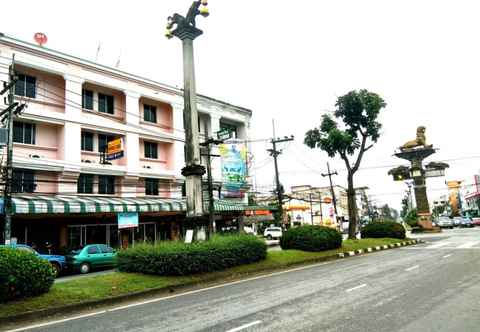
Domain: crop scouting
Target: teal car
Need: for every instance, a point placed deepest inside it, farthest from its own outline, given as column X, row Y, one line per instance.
column 90, row 257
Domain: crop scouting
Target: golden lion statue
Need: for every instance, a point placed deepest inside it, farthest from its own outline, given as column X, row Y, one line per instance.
column 419, row 141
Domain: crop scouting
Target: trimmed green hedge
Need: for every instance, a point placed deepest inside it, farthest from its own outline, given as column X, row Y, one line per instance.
column 383, row 229
column 178, row 258
column 311, row 238
column 23, row 274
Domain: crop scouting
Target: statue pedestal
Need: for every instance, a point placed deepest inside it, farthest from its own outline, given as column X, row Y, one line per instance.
column 425, row 222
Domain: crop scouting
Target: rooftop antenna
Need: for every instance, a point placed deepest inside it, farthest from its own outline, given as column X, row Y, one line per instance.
column 98, row 51
column 118, row 61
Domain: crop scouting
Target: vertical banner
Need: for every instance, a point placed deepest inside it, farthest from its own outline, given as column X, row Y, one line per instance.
column 234, row 169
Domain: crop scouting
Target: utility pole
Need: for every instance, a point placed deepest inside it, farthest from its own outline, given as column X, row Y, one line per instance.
column 12, row 109
column 211, row 205
column 187, row 31
column 329, row 174
column 320, row 203
column 275, row 153
column 311, row 208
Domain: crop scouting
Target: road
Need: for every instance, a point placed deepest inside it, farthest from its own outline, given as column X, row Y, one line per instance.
column 434, row 286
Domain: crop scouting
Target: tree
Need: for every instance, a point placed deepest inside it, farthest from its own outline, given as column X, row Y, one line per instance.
column 358, row 111
column 405, row 206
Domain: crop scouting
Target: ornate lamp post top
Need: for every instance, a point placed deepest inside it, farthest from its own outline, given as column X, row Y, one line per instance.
column 186, row 25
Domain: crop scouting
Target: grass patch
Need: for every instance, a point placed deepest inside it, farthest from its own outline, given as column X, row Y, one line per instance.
column 114, row 284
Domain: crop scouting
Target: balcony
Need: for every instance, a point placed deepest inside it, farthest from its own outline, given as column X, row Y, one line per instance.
column 156, row 116
column 103, row 101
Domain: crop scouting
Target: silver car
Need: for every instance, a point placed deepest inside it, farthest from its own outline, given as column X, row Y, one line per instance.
column 445, row 222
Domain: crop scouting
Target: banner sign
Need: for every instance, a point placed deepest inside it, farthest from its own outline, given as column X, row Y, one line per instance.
column 115, row 149
column 127, row 220
column 234, row 169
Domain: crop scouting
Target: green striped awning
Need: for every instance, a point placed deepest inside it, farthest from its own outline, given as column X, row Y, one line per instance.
column 34, row 204
column 44, row 204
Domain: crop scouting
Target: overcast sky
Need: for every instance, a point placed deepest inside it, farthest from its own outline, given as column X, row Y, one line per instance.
column 290, row 61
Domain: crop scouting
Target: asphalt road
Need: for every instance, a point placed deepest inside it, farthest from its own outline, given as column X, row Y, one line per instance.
column 430, row 287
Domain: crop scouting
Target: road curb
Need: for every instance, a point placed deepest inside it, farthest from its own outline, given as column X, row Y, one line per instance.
column 72, row 308
column 379, row 248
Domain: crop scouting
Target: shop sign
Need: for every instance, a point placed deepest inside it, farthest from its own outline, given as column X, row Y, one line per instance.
column 234, row 169
column 127, row 220
column 115, row 149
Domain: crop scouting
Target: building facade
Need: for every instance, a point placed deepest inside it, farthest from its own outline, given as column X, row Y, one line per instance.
column 66, row 190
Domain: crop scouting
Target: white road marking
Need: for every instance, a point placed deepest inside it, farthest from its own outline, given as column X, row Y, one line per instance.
column 446, row 256
column 245, row 326
column 356, row 287
column 438, row 245
column 412, row 268
column 467, row 245
column 57, row 321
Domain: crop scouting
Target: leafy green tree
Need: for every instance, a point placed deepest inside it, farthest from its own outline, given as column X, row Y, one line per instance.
column 411, row 218
column 359, row 130
column 405, row 207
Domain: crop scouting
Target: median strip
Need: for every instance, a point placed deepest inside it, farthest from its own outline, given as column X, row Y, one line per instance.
column 74, row 295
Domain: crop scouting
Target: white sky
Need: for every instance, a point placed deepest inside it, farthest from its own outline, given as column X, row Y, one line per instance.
column 291, row 60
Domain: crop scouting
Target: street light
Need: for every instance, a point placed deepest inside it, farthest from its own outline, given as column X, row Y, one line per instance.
column 184, row 28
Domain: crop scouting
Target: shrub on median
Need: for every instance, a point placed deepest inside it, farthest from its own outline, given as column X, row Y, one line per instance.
column 23, row 274
column 383, row 229
column 178, row 258
column 311, row 238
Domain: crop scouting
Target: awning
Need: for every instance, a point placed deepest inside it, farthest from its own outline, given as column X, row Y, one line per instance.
column 44, row 204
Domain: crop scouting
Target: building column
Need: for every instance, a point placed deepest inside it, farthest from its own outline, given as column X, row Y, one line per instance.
column 216, row 162
column 178, row 145
column 132, row 107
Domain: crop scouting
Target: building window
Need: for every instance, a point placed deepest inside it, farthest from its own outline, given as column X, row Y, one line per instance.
column 106, row 184
column 105, row 103
column 24, row 132
column 87, row 99
column 151, row 150
column 87, row 141
column 151, row 187
column 85, row 184
column 150, row 113
column 230, row 128
column 26, row 86
column 103, row 142
column 23, row 181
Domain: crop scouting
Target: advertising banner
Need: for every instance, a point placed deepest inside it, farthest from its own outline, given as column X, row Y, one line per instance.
column 127, row 220
column 115, row 149
column 234, row 169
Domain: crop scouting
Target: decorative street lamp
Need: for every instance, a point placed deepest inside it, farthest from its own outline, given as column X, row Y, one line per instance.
column 186, row 31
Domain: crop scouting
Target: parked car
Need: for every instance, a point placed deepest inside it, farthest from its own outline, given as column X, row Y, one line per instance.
column 457, row 221
column 466, row 222
column 91, row 257
column 58, row 262
column 273, row 233
column 445, row 222
column 476, row 221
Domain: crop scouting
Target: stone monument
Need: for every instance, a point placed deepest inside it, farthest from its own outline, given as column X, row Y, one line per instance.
column 415, row 152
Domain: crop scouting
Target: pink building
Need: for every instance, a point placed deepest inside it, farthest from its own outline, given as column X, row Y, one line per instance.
column 66, row 192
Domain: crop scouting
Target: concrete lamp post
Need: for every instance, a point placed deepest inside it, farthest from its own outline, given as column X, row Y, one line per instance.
column 185, row 29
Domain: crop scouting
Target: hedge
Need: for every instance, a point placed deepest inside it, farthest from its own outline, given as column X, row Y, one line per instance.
column 383, row 229
column 178, row 258
column 23, row 274
column 311, row 238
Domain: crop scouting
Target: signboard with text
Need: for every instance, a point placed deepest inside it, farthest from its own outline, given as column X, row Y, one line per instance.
column 115, row 149
column 127, row 220
column 234, row 169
